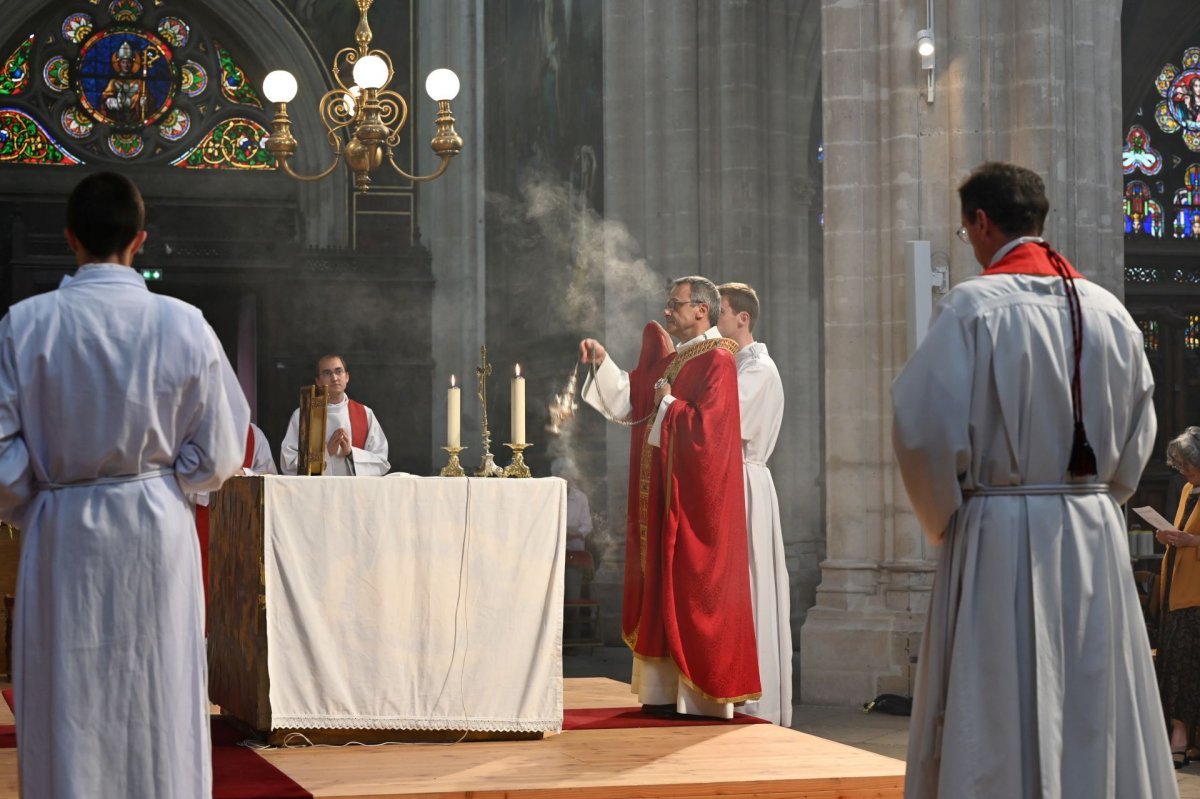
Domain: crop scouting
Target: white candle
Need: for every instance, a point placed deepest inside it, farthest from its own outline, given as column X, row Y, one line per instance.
column 518, row 408
column 453, row 411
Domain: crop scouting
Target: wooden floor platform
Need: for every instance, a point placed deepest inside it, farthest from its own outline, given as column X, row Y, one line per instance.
column 755, row 760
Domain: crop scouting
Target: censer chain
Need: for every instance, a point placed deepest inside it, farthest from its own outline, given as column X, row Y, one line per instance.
column 612, row 417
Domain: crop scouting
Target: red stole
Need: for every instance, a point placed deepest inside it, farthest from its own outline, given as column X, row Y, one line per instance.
column 358, row 423
column 1029, row 259
column 248, row 461
column 687, row 573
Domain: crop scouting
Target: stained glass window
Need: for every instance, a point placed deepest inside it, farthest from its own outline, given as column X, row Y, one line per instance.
column 132, row 81
column 1143, row 215
column 125, row 78
column 237, row 143
column 1191, row 335
column 1179, row 110
column 15, row 76
column 1186, row 224
column 1149, row 333
column 234, row 84
column 1138, row 155
column 24, row 141
column 1141, row 274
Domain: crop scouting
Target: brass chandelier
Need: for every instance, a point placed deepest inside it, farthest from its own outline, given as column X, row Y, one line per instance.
column 364, row 119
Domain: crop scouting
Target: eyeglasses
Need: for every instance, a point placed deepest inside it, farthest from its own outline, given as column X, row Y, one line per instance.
column 673, row 304
column 339, row 371
column 962, row 235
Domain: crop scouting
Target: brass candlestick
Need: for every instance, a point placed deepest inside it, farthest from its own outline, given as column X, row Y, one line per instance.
column 487, row 466
column 453, row 468
column 518, row 468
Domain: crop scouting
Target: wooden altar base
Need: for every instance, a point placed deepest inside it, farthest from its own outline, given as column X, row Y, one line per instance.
column 756, row 761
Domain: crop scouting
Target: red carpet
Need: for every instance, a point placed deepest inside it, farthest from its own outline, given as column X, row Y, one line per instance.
column 618, row 718
column 238, row 772
column 8, row 733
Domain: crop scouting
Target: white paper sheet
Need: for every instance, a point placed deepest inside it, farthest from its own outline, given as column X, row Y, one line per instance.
column 1153, row 518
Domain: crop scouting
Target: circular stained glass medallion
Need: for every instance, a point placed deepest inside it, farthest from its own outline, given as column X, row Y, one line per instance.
column 57, row 73
column 1184, row 100
column 125, row 77
column 194, row 79
column 175, row 124
column 77, row 27
column 125, row 10
column 77, row 123
column 126, row 145
column 174, row 30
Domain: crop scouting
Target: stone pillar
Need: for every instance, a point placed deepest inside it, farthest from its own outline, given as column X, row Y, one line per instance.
column 710, row 165
column 451, row 212
column 1009, row 88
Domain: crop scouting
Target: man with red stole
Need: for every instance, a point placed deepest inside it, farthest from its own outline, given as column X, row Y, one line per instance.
column 1021, row 424
column 687, row 612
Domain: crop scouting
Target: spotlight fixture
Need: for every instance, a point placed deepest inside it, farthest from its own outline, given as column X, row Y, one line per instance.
column 925, row 47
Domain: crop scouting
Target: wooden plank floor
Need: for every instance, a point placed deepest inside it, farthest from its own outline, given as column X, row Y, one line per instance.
column 756, row 760
column 581, row 692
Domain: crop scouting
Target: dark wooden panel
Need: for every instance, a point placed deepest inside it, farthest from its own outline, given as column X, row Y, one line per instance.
column 237, row 620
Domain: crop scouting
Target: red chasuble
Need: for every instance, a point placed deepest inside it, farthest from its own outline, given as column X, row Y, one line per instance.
column 687, row 572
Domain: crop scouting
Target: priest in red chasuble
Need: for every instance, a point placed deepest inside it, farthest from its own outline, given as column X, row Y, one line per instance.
column 687, row 612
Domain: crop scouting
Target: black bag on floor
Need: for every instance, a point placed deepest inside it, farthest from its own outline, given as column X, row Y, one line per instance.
column 892, row 704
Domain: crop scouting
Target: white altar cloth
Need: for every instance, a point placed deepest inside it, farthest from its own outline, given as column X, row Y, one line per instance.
column 415, row 603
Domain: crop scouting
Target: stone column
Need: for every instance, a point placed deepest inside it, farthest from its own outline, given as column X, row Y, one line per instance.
column 451, row 213
column 710, row 165
column 1009, row 87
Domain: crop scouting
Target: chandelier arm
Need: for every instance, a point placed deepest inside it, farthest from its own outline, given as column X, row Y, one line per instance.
column 437, row 173
column 337, row 159
column 397, row 107
column 335, row 114
column 351, row 55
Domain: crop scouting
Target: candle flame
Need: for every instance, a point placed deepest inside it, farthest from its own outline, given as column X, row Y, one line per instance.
column 518, row 370
column 451, row 381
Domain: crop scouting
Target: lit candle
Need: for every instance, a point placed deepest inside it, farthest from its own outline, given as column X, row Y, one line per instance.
column 518, row 408
column 453, row 411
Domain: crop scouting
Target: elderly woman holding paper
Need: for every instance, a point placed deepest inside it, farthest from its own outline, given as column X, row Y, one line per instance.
column 1179, row 638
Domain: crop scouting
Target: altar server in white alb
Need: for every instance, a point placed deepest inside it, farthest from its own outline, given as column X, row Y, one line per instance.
column 115, row 403
column 354, row 442
column 1020, row 425
column 760, row 394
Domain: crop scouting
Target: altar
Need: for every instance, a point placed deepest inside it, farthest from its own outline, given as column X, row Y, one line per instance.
column 384, row 604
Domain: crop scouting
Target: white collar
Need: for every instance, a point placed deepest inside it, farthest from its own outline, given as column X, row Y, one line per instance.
column 1012, row 245
column 750, row 349
column 712, row 332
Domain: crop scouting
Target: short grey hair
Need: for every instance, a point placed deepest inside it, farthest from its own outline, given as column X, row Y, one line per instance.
column 1184, row 449
column 703, row 291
